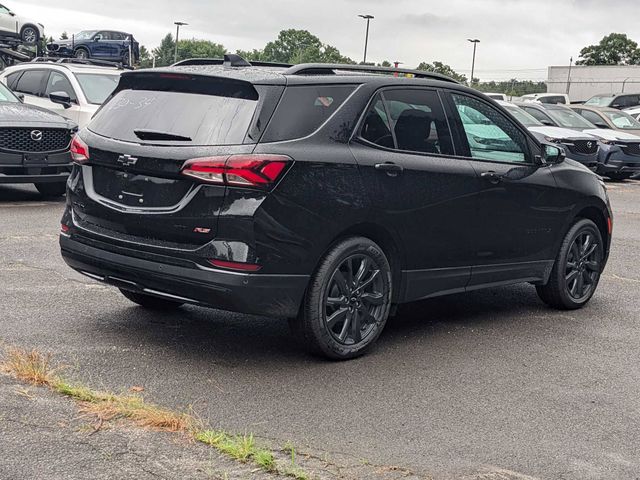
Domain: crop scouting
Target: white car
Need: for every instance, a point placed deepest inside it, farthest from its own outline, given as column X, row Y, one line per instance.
column 72, row 90
column 12, row 25
column 633, row 111
column 560, row 98
column 496, row 96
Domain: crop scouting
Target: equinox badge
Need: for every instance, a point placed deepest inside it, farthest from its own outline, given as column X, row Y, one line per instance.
column 127, row 160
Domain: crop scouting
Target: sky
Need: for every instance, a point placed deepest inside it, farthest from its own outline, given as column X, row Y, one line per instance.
column 518, row 38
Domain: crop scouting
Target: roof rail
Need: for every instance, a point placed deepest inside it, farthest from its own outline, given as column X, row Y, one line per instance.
column 220, row 61
column 95, row 63
column 331, row 68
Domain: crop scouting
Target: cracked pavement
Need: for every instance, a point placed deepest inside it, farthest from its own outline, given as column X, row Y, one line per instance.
column 487, row 385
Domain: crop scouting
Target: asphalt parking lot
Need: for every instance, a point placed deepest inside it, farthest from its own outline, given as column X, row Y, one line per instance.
column 490, row 383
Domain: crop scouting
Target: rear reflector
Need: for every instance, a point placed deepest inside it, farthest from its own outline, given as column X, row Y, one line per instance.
column 610, row 225
column 261, row 171
column 64, row 228
column 242, row 267
column 79, row 150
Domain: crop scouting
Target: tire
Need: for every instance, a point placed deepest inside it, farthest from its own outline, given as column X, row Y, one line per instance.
column 30, row 35
column 576, row 272
column 357, row 310
column 55, row 189
column 619, row 177
column 151, row 302
column 82, row 53
column 125, row 59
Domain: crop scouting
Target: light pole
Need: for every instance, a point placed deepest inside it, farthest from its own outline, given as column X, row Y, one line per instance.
column 475, row 42
column 368, row 18
column 178, row 25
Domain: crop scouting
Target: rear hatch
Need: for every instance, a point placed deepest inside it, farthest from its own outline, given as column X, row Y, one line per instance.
column 139, row 142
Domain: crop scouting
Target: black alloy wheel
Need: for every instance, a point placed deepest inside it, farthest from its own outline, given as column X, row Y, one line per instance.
column 577, row 269
column 347, row 301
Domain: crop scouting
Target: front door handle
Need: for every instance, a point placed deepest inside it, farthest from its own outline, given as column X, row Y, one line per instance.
column 491, row 177
column 391, row 169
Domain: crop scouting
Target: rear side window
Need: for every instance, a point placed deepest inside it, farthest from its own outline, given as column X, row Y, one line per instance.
column 410, row 120
column 161, row 117
column 31, row 82
column 12, row 80
column 303, row 109
column 538, row 115
column 553, row 100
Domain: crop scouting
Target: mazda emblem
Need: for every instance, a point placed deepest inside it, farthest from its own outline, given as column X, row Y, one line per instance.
column 589, row 144
column 36, row 135
column 127, row 160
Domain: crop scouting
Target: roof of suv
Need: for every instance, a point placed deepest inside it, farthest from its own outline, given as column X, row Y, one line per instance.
column 64, row 66
column 298, row 74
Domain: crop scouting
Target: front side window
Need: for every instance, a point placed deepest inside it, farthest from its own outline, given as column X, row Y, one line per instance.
column 376, row 128
column 59, row 83
column 567, row 118
column 490, row 135
column 623, row 120
column 592, row 117
column 7, row 95
column 4, row 9
column 538, row 115
column 31, row 82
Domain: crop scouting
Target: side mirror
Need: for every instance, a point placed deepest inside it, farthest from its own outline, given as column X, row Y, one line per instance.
column 20, row 96
column 97, row 38
column 552, row 155
column 548, row 123
column 616, row 105
column 601, row 125
column 12, row 14
column 61, row 98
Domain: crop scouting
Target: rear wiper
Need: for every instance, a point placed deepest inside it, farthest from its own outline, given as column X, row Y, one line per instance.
column 156, row 135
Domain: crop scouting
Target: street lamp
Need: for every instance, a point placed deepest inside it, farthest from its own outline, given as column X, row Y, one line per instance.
column 178, row 25
column 475, row 42
column 368, row 18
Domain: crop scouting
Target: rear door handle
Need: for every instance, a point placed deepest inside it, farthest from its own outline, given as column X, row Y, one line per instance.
column 391, row 169
column 491, row 177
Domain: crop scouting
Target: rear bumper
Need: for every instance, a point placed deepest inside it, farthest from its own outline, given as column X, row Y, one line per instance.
column 270, row 295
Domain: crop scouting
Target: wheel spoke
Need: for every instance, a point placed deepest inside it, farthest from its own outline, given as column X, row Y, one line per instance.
column 586, row 278
column 356, row 326
column 580, row 286
column 585, row 244
column 369, row 280
column 575, row 250
column 362, row 270
column 572, row 276
column 345, row 328
column 342, row 283
column 590, row 251
column 336, row 317
column 592, row 265
column 373, row 298
column 337, row 301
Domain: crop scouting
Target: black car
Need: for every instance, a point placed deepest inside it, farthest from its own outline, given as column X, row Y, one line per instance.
column 107, row 45
column 34, row 145
column 324, row 194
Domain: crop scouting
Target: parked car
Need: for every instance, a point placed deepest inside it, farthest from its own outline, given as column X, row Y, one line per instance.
column 633, row 111
column 619, row 155
column 604, row 117
column 74, row 91
column 579, row 146
column 553, row 98
column 323, row 194
column 34, row 145
column 12, row 25
column 615, row 100
column 99, row 44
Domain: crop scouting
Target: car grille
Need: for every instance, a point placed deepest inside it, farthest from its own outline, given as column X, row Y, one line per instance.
column 632, row 148
column 584, row 147
column 24, row 139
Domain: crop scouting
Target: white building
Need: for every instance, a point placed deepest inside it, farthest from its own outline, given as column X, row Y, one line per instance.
column 586, row 81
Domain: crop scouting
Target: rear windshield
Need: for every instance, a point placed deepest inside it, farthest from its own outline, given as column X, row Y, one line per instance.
column 164, row 117
column 303, row 109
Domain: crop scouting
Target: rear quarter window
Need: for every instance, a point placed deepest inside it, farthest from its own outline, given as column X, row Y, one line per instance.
column 303, row 109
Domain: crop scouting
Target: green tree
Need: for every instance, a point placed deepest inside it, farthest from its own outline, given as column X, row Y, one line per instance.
column 439, row 67
column 199, row 49
column 64, row 36
column 164, row 52
column 146, row 61
column 298, row 46
column 613, row 49
column 513, row 87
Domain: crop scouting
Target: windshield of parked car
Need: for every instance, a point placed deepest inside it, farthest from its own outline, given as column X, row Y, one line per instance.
column 97, row 86
column 523, row 117
column 568, row 118
column 600, row 100
column 7, row 95
column 85, row 35
column 623, row 120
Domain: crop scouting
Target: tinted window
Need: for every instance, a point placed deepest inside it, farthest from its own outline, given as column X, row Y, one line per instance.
column 302, row 110
column 558, row 99
column 117, row 35
column 417, row 121
column 31, row 82
column 376, row 128
column 491, row 135
column 97, row 87
column 175, row 117
column 523, row 117
column 623, row 120
column 13, row 79
column 59, row 83
column 538, row 115
column 592, row 117
column 566, row 117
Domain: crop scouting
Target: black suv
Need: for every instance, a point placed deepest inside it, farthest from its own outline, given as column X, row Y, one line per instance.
column 324, row 194
column 34, row 145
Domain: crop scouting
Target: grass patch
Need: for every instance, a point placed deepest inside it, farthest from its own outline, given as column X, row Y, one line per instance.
column 36, row 368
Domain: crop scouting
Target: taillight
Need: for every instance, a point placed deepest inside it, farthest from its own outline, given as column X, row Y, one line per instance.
column 79, row 150
column 261, row 171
